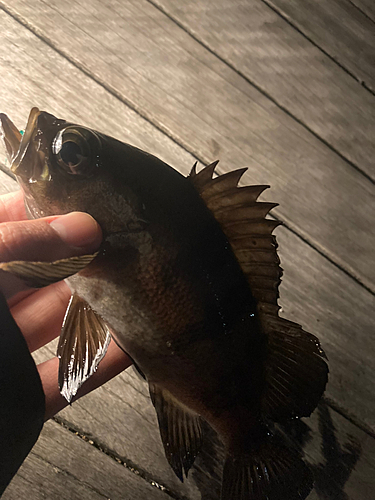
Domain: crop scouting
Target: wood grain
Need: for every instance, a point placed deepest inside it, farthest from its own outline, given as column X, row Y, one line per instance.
column 7, row 184
column 63, row 466
column 285, row 64
column 340, row 29
column 366, row 6
column 341, row 455
column 144, row 58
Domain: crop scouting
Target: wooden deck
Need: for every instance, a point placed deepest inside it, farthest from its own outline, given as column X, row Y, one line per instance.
column 285, row 88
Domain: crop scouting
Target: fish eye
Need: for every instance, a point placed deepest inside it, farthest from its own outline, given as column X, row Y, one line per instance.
column 71, row 153
column 74, row 150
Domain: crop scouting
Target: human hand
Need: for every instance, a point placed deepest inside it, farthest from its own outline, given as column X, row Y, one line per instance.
column 39, row 313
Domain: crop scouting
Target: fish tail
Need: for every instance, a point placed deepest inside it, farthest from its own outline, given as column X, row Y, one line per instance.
column 267, row 470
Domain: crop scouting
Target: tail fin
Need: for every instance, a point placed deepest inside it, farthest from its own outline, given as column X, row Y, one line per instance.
column 269, row 472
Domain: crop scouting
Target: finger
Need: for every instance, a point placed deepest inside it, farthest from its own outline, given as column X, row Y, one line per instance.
column 40, row 315
column 46, row 239
column 114, row 362
column 12, row 207
column 50, row 238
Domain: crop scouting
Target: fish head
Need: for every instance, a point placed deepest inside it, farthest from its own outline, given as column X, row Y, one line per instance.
column 63, row 167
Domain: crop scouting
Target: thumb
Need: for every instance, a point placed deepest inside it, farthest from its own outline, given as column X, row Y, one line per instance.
column 47, row 239
column 50, row 238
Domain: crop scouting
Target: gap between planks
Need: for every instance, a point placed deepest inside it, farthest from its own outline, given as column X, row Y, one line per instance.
column 111, row 90
column 294, row 26
column 347, row 415
column 128, row 464
column 196, row 155
column 361, row 10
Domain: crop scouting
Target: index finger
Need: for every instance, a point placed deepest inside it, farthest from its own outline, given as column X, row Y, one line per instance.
column 12, row 207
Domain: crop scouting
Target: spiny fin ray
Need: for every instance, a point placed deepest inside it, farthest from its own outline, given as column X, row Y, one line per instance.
column 243, row 221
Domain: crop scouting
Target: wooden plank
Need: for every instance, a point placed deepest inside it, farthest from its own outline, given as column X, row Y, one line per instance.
column 147, row 60
column 366, row 6
column 7, row 184
column 340, row 29
column 341, row 455
column 323, row 302
column 62, row 465
column 120, row 417
column 282, row 62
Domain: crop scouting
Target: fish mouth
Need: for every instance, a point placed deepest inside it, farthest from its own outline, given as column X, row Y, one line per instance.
column 27, row 161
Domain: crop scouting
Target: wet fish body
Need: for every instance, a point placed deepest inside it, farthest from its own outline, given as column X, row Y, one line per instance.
column 187, row 282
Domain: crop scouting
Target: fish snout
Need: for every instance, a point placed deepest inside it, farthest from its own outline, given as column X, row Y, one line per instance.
column 27, row 161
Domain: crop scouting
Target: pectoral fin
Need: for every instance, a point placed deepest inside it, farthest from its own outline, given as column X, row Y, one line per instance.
column 180, row 430
column 84, row 340
column 40, row 274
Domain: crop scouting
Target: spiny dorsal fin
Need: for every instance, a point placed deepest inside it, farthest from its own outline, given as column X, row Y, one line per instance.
column 235, row 196
column 243, row 220
column 203, row 177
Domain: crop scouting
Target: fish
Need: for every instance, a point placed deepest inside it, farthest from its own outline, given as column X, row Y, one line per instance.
column 186, row 282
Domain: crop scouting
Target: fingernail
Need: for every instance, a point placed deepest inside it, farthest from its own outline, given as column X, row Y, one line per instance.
column 78, row 230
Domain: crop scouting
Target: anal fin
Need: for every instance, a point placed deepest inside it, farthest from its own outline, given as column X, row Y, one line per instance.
column 84, row 340
column 180, row 430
